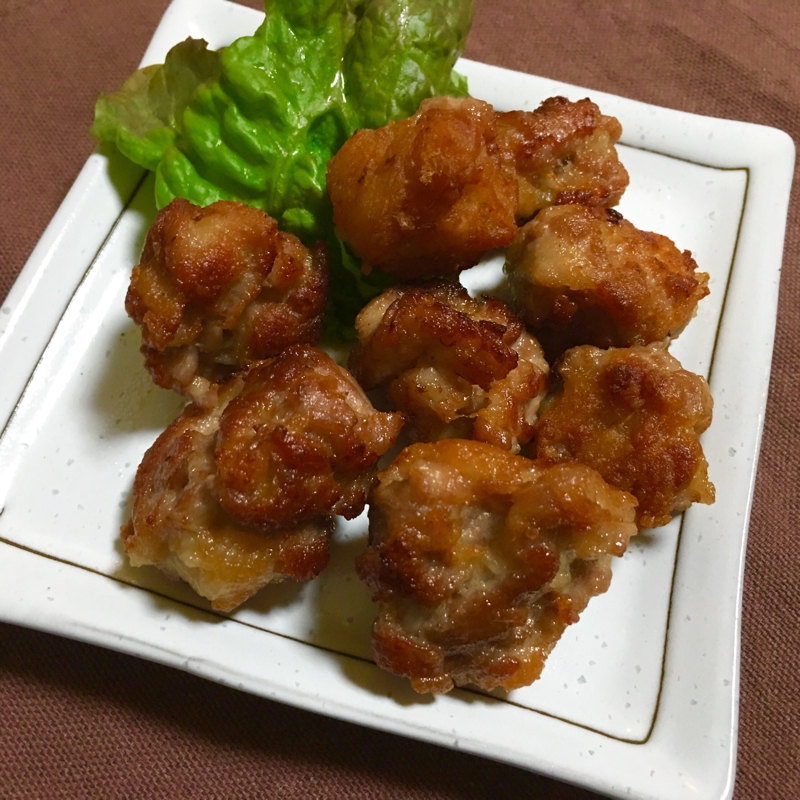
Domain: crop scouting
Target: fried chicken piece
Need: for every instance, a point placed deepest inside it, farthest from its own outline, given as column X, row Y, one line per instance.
column 178, row 524
column 454, row 365
column 563, row 152
column 480, row 559
column 219, row 288
column 243, row 494
column 635, row 415
column 428, row 195
column 301, row 439
column 582, row 275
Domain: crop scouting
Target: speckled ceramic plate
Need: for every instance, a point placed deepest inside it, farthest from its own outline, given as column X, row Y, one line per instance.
column 638, row 699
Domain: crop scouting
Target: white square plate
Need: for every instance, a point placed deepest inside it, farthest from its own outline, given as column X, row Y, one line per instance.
column 639, row 698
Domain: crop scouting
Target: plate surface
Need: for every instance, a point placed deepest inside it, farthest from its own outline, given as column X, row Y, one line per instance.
column 639, row 698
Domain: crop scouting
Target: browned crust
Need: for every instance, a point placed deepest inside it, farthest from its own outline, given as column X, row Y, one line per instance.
column 480, row 559
column 635, row 415
column 218, row 288
column 301, row 439
column 583, row 275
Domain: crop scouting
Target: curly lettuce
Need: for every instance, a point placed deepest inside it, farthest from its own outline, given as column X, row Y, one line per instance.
column 258, row 120
column 143, row 118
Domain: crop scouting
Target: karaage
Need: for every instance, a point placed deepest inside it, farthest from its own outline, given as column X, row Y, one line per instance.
column 428, row 195
column 635, row 415
column 454, row 365
column 563, row 152
column 480, row 559
column 580, row 275
column 243, row 494
column 301, row 439
column 219, row 288
column 178, row 524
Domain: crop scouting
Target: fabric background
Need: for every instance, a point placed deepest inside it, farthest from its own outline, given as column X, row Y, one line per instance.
column 79, row 722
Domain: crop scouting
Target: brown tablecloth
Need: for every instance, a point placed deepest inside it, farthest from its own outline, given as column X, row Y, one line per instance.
column 78, row 722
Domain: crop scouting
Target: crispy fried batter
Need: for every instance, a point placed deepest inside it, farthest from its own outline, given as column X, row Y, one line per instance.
column 480, row 559
column 431, row 194
column 583, row 275
column 635, row 415
column 240, row 495
column 219, row 288
column 178, row 524
column 456, row 366
column 427, row 195
column 301, row 439
column 563, row 152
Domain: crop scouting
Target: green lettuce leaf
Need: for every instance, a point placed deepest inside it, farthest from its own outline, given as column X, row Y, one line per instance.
column 263, row 132
column 143, row 118
column 402, row 53
column 258, row 120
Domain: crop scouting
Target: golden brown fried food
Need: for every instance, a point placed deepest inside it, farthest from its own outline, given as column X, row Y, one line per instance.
column 456, row 366
column 219, row 288
column 301, row 439
column 428, row 195
column 583, row 275
column 240, row 495
column 635, row 415
column 480, row 559
column 178, row 524
column 563, row 152
column 431, row 194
